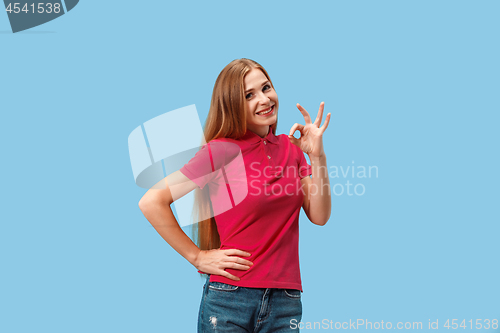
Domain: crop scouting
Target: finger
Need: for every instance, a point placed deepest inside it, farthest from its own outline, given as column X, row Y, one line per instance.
column 294, row 140
column 239, row 261
column 307, row 118
column 296, row 127
column 325, row 125
column 235, row 252
column 319, row 117
column 229, row 276
column 234, row 265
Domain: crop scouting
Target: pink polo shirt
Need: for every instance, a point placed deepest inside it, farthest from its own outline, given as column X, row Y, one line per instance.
column 256, row 194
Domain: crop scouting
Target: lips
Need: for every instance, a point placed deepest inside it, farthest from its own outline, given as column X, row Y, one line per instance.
column 266, row 112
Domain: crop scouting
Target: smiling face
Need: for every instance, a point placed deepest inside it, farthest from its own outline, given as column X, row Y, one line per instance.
column 262, row 102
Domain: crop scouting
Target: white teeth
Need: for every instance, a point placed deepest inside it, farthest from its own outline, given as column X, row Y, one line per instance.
column 266, row 112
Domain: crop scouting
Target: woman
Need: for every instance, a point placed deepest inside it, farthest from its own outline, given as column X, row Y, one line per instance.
column 247, row 244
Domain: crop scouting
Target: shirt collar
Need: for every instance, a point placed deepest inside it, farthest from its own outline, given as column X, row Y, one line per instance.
column 253, row 138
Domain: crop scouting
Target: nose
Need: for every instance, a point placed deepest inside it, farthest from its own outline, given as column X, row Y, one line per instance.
column 264, row 99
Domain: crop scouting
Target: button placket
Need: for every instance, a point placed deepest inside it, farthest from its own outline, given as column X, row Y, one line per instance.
column 267, row 152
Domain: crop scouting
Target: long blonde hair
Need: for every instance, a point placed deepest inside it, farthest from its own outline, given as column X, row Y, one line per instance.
column 226, row 119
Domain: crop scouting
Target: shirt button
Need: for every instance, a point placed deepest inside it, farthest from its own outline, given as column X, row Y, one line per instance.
column 269, row 157
column 264, row 141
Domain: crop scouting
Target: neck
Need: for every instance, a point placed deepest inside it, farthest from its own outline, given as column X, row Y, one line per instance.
column 261, row 131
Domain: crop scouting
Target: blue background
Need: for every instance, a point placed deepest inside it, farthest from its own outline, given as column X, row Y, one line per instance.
column 413, row 89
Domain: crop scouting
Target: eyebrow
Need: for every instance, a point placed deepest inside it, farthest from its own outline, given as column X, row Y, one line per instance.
column 263, row 84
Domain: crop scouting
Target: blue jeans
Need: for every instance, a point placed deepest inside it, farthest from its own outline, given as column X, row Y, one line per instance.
column 227, row 308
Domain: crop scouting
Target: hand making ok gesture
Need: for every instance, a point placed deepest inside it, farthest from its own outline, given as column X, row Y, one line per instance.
column 311, row 135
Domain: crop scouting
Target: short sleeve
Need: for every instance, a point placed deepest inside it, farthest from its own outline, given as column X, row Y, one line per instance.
column 199, row 169
column 304, row 168
column 207, row 162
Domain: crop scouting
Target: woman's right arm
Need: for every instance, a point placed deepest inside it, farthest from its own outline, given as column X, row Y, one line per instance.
column 155, row 205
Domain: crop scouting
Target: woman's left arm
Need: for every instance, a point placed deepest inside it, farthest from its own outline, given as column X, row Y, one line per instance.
column 317, row 198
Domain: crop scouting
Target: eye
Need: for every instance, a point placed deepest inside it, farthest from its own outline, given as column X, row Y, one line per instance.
column 266, row 87
column 248, row 95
